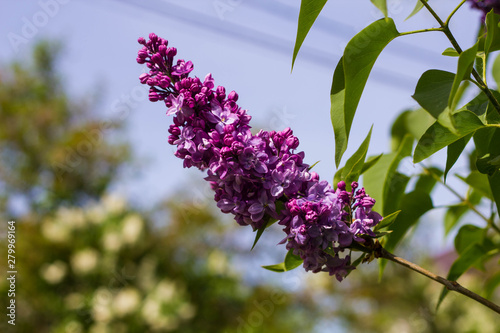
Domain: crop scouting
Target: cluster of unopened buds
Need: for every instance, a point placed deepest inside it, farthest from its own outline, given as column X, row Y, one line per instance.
column 259, row 178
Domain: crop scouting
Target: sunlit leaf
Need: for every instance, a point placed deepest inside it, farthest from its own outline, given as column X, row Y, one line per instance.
column 377, row 180
column 309, row 11
column 371, row 161
column 351, row 75
column 381, row 5
column 492, row 42
column 450, row 52
column 495, row 70
column 278, row 268
column 387, row 221
column 437, row 136
column 292, row 261
column 355, row 163
column 417, row 8
column 464, row 69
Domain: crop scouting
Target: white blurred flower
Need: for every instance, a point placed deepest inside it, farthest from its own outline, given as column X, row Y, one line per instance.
column 186, row 311
column 100, row 328
column 55, row 232
column 113, row 204
column 166, row 290
column 101, row 305
column 84, row 261
column 96, row 213
column 132, row 227
column 73, row 217
column 217, row 262
column 73, row 327
column 74, row 301
column 53, row 273
column 126, row 301
column 112, row 241
column 151, row 310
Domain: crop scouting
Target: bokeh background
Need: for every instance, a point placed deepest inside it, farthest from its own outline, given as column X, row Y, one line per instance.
column 113, row 235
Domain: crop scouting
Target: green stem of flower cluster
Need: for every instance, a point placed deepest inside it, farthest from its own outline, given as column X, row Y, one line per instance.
column 446, row 30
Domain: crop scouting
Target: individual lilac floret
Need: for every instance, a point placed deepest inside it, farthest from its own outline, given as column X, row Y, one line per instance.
column 256, row 177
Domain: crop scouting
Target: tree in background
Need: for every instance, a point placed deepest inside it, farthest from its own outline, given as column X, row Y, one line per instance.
column 53, row 149
column 87, row 262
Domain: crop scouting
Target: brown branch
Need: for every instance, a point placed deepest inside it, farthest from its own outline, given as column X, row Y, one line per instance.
column 380, row 252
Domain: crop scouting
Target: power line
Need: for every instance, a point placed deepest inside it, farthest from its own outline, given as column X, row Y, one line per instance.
column 265, row 40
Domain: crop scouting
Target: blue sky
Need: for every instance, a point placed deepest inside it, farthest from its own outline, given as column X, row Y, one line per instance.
column 247, row 46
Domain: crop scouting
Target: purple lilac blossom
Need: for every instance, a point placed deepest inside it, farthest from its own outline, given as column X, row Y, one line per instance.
column 254, row 174
column 486, row 6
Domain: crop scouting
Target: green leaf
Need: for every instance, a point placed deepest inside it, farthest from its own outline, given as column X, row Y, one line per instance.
column 482, row 140
column 491, row 284
column 468, row 258
column 437, row 136
column 278, row 268
column 454, row 151
column 260, row 231
column 495, row 70
column 337, row 100
column 450, row 52
column 413, row 206
column 381, row 5
column 378, row 180
column 309, row 11
column 417, row 8
column 433, row 91
column 464, row 69
column 337, row 177
column 426, row 181
column 479, row 182
column 371, row 161
column 387, row 221
column 355, row 163
column 417, row 122
column 394, row 192
column 494, row 182
column 492, row 42
column 453, row 215
column 292, row 261
column 395, row 183
column 351, row 75
column 468, row 235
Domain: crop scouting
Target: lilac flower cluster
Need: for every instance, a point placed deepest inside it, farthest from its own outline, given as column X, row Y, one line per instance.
column 486, row 6
column 256, row 177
